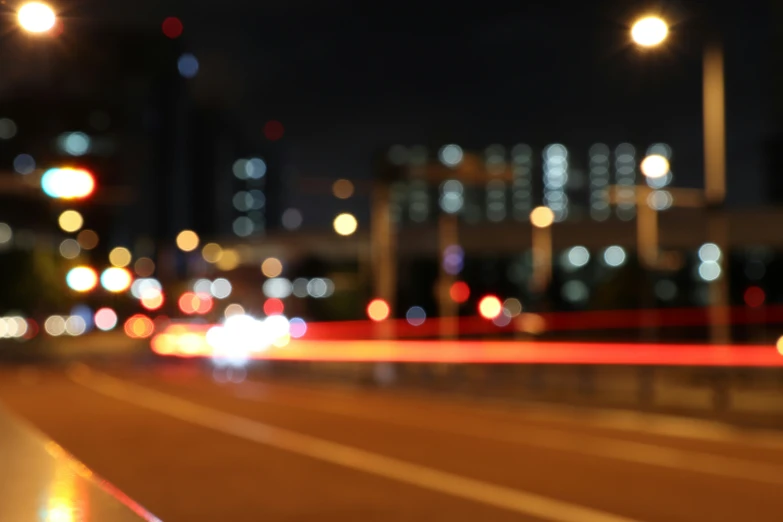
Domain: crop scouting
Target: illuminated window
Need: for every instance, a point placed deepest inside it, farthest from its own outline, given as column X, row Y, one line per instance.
column 521, row 184
column 555, row 179
column 495, row 161
column 599, row 182
column 625, row 178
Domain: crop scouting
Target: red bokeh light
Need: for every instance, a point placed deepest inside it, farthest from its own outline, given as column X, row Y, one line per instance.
column 172, row 27
column 378, row 310
column 273, row 130
column 754, row 296
column 273, row 307
column 32, row 329
column 490, row 307
column 459, row 292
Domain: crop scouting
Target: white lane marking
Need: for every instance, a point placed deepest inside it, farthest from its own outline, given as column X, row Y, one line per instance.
column 342, row 455
column 617, row 420
column 561, row 440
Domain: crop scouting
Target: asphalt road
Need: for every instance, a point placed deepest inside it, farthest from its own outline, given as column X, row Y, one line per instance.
column 191, row 448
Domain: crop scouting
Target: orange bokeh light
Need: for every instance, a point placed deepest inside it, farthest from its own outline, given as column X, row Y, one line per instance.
column 490, row 307
column 378, row 310
column 191, row 303
column 459, row 292
column 139, row 327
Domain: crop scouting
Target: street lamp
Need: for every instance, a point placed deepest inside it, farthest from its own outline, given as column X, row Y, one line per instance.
column 541, row 218
column 345, row 224
column 36, row 17
column 655, row 166
column 649, row 32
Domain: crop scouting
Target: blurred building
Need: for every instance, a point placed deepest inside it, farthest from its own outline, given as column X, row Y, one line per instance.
column 117, row 101
column 513, row 179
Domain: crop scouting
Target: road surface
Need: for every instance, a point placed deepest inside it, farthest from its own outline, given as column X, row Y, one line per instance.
column 190, row 447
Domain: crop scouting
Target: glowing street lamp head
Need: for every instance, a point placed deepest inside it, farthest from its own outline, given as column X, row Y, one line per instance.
column 542, row 217
column 36, row 17
column 345, row 224
column 655, row 166
column 649, row 31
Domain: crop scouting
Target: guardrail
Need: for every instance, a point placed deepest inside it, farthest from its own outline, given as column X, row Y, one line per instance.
column 750, row 396
column 43, row 482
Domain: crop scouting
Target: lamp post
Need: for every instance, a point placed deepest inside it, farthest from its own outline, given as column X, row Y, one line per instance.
column 650, row 32
column 541, row 218
column 448, row 309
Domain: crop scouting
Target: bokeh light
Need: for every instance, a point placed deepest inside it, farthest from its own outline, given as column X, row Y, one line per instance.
column 274, row 306
column 24, row 164
column 70, row 221
column 120, row 257
column 451, row 155
column 75, row 143
column 187, row 65
column 220, row 288
column 228, row 261
column 36, row 17
column 542, row 217
column 212, row 252
column 187, row 240
column 7, row 128
column 55, row 325
column 67, row 183
column 87, row 239
column 490, row 307
column 272, row 267
column 378, row 310
column 81, row 279
column 151, row 298
column 459, row 292
column 345, row 224
column 70, row 249
column 649, row 31
column 105, row 319
column 116, row 279
column 297, row 327
column 273, row 130
column 342, row 189
column 416, row 316
column 512, row 306
column 192, row 303
column 6, row 233
column 655, row 166
column 144, row 267
column 140, row 286
column 172, row 27
column 232, row 310
column 754, row 296
column 291, row 219
column 75, row 325
column 139, row 327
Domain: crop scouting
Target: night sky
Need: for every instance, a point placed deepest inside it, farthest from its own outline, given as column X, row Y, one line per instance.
column 349, row 78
